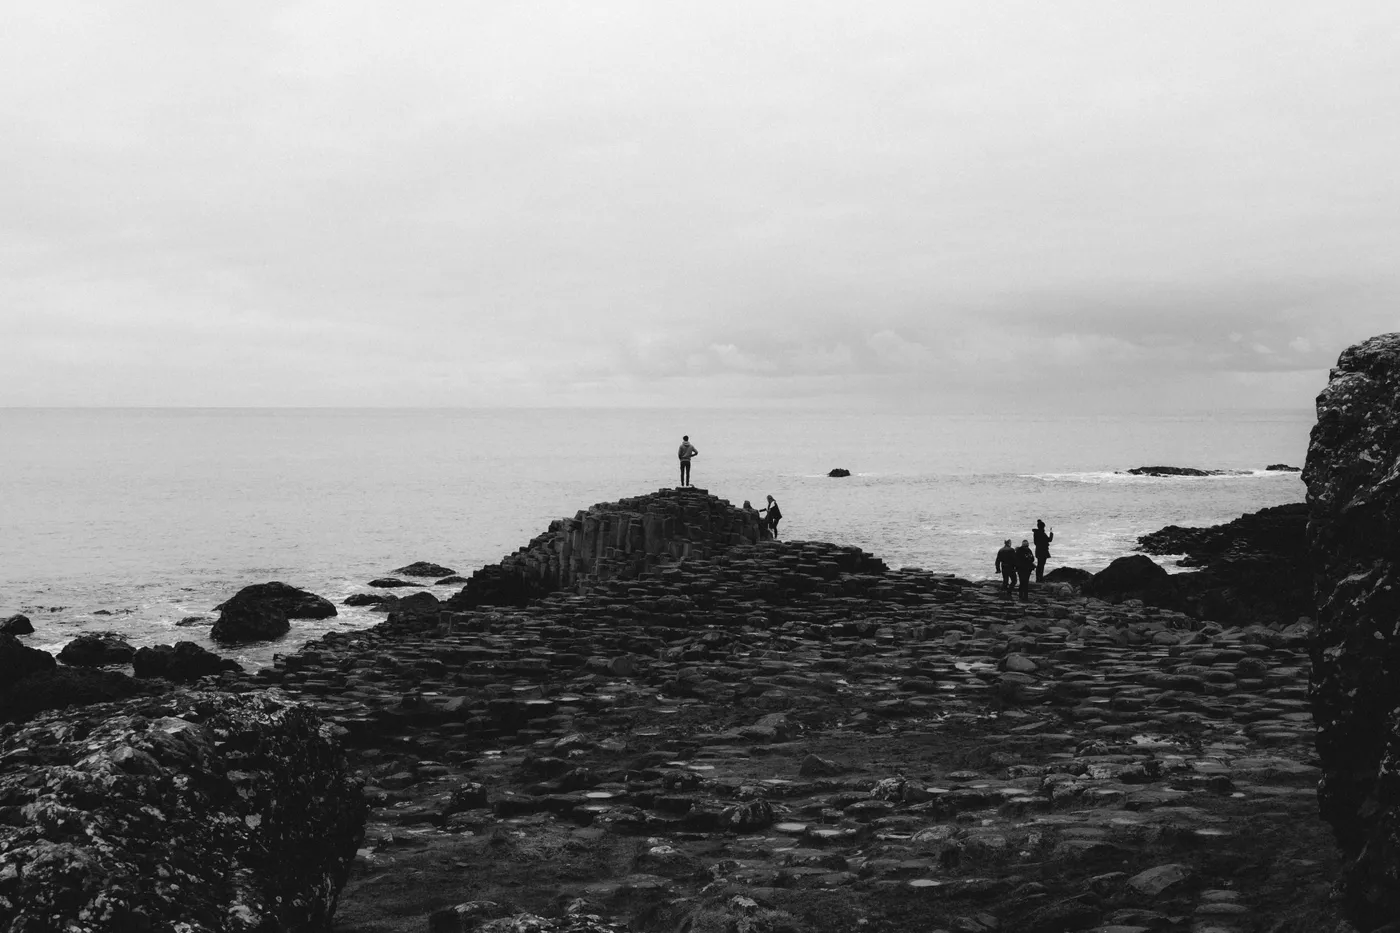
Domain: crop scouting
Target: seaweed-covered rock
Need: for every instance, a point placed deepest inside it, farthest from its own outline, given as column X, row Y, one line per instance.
column 19, row 660
column 422, row 568
column 1353, row 480
column 182, row 662
column 17, row 624
column 97, row 650
column 194, row 811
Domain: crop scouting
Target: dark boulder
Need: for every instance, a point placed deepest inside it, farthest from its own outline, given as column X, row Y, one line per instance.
column 247, row 797
column 1133, row 577
column 262, row 611
column 446, row 581
column 183, row 662
column 419, row 607
column 295, row 603
column 1283, row 468
column 366, row 599
column 839, row 472
column 97, row 650
column 17, row 624
column 61, row 687
column 389, row 583
column 188, row 621
column 19, row 660
column 1071, row 575
column 1354, row 546
column 422, row 568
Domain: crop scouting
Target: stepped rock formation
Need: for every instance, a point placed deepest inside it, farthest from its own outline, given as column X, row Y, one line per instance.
column 1353, row 479
column 613, row 540
column 195, row 812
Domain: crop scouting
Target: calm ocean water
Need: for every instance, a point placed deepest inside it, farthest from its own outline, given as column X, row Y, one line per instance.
column 158, row 514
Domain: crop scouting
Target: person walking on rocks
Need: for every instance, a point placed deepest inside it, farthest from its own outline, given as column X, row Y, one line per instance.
column 1006, row 566
column 771, row 515
column 1025, row 563
column 1042, row 547
column 685, row 453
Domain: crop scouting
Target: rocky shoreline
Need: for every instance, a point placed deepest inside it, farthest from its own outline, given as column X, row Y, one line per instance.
column 679, row 723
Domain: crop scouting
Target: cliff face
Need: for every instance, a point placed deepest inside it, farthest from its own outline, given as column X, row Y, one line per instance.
column 1353, row 479
column 197, row 812
column 613, row 540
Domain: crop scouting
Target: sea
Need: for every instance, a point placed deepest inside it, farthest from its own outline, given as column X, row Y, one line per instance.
column 132, row 520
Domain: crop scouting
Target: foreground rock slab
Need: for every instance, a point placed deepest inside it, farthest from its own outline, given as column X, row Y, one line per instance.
column 193, row 812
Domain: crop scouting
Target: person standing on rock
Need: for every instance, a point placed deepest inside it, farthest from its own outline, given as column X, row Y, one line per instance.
column 771, row 515
column 1025, row 563
column 1042, row 547
column 685, row 453
column 1006, row 566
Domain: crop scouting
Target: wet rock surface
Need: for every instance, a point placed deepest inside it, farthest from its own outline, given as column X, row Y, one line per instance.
column 17, row 624
column 786, row 735
column 182, row 662
column 263, row 611
column 97, row 650
column 422, row 568
column 194, row 812
column 1354, row 542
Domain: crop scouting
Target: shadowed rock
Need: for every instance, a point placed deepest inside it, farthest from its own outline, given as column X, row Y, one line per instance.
column 391, row 583
column 367, row 599
column 262, row 611
column 183, row 662
column 1282, row 468
column 19, row 660
column 61, row 687
column 1133, row 577
column 1071, row 575
column 245, row 799
column 97, row 650
column 1354, row 542
column 17, row 624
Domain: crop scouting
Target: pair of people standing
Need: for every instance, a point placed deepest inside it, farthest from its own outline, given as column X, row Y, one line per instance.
column 1017, row 563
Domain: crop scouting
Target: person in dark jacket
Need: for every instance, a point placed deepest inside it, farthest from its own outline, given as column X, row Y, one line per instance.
column 686, row 452
column 1006, row 566
column 1042, row 547
column 771, row 515
column 1025, row 563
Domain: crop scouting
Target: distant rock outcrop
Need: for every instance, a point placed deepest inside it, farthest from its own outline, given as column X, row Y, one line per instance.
column 421, row 568
column 1177, row 471
column 839, row 471
column 97, row 650
column 17, row 624
column 389, row 583
column 182, row 662
column 262, row 611
column 1282, row 468
column 1354, row 542
column 613, row 540
column 194, row 811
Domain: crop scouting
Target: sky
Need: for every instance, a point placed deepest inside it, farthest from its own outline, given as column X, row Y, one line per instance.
column 1069, row 206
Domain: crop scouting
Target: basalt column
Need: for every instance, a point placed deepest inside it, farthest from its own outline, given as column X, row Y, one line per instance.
column 1353, row 479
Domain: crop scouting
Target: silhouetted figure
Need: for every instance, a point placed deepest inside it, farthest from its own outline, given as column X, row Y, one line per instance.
column 772, row 514
column 1025, row 563
column 685, row 453
column 1006, row 566
column 1042, row 547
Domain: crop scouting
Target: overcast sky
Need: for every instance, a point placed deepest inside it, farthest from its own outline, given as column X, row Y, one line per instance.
column 923, row 204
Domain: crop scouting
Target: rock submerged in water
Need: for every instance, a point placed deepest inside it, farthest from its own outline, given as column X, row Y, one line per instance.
column 183, row 662
column 422, row 568
column 162, row 814
column 1173, row 471
column 262, row 612
column 839, row 472
column 97, row 650
column 1353, row 530
column 389, row 583
column 17, row 624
